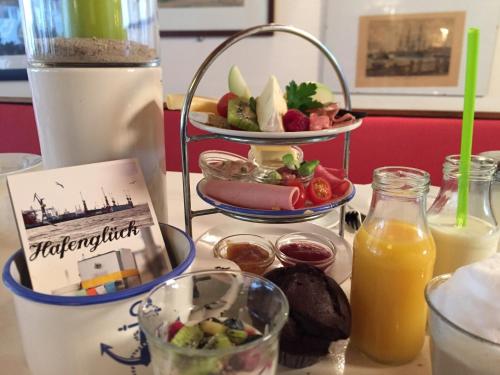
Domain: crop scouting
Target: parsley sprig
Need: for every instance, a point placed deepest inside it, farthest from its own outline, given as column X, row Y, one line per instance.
column 253, row 104
column 300, row 96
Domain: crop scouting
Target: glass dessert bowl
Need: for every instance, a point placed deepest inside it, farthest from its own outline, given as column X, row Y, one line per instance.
column 252, row 253
column 223, row 165
column 225, row 304
column 305, row 248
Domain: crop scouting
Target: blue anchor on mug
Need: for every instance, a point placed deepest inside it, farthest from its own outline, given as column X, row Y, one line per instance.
column 144, row 357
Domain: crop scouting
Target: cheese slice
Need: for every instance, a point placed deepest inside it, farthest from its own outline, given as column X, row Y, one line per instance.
column 174, row 102
column 271, row 106
column 271, row 155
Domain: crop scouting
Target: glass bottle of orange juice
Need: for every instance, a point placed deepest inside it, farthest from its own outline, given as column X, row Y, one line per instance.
column 394, row 256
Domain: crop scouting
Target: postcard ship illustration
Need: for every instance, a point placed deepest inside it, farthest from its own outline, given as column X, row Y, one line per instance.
column 37, row 217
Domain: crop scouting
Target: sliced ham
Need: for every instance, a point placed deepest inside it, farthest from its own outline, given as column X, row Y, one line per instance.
column 318, row 122
column 337, row 172
column 328, row 116
column 333, row 180
column 344, row 119
column 253, row 195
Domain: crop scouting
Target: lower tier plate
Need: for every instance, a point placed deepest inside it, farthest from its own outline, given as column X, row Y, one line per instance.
column 289, row 216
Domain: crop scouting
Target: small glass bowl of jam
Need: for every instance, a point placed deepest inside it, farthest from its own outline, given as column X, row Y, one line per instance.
column 252, row 253
column 301, row 247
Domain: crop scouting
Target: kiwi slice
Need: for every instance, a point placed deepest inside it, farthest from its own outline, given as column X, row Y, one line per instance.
column 237, row 336
column 211, row 327
column 218, row 341
column 240, row 115
column 188, row 336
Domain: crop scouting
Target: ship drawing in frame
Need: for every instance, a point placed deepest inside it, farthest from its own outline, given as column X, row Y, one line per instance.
column 410, row 50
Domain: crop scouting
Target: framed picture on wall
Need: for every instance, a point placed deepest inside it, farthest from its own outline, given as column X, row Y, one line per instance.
column 409, row 47
column 12, row 57
column 409, row 50
column 203, row 18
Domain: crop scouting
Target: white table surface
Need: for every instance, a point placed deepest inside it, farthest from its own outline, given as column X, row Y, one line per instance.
column 11, row 354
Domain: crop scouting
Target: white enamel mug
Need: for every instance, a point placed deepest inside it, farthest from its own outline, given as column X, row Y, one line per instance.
column 90, row 334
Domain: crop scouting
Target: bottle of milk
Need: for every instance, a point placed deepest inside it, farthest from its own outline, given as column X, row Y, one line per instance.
column 456, row 247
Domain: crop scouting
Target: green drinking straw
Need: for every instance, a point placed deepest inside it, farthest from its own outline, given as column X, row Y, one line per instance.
column 467, row 125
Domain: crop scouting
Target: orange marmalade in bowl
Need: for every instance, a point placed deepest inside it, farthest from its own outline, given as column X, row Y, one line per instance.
column 252, row 253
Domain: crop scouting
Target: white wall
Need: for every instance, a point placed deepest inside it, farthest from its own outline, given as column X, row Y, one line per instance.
column 286, row 56
column 15, row 89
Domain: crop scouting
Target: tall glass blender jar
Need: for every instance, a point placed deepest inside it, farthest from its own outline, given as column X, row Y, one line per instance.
column 95, row 77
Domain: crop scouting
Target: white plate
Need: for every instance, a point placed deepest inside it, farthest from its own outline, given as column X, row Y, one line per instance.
column 340, row 270
column 362, row 199
column 295, row 214
column 274, row 135
column 330, row 220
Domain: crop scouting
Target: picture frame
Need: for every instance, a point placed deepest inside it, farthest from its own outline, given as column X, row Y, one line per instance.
column 348, row 40
column 12, row 55
column 408, row 50
column 211, row 18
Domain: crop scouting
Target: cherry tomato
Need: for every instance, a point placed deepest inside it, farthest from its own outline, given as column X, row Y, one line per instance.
column 222, row 103
column 302, row 192
column 319, row 190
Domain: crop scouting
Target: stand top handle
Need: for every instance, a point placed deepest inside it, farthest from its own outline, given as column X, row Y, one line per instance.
column 254, row 31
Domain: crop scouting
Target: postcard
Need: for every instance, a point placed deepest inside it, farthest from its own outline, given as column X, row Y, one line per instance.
column 88, row 229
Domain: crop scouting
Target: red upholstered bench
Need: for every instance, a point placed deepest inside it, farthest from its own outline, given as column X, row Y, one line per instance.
column 380, row 141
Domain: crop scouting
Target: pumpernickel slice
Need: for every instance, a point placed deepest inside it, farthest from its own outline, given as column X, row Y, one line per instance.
column 319, row 314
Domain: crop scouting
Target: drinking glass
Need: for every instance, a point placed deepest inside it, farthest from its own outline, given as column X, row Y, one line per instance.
column 12, row 163
column 454, row 350
column 194, row 297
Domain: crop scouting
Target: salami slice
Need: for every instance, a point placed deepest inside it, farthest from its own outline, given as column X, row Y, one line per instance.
column 253, row 195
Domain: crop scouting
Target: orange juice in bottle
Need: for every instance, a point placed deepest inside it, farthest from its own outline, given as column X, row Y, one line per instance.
column 394, row 255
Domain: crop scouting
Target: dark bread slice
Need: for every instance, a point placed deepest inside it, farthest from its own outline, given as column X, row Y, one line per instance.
column 317, row 303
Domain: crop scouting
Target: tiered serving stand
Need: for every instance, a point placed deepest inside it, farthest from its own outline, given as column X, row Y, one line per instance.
column 286, row 139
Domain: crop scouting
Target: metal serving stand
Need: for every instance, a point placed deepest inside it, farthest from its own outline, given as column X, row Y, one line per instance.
column 189, row 214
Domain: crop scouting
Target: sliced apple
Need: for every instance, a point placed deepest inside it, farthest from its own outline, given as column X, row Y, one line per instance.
column 271, row 106
column 323, row 94
column 237, row 84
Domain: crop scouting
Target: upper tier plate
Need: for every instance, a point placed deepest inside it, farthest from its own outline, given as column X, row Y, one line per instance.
column 277, row 135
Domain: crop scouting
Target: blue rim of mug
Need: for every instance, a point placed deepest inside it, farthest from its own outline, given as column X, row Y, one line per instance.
column 29, row 294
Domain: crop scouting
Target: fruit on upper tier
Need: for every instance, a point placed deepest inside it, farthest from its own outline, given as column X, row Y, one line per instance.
column 272, row 110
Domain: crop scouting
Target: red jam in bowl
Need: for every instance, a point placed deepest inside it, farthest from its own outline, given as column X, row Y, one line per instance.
column 305, row 252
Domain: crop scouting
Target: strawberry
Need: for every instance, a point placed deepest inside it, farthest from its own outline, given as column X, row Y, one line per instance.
column 174, row 328
column 222, row 104
column 295, row 121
